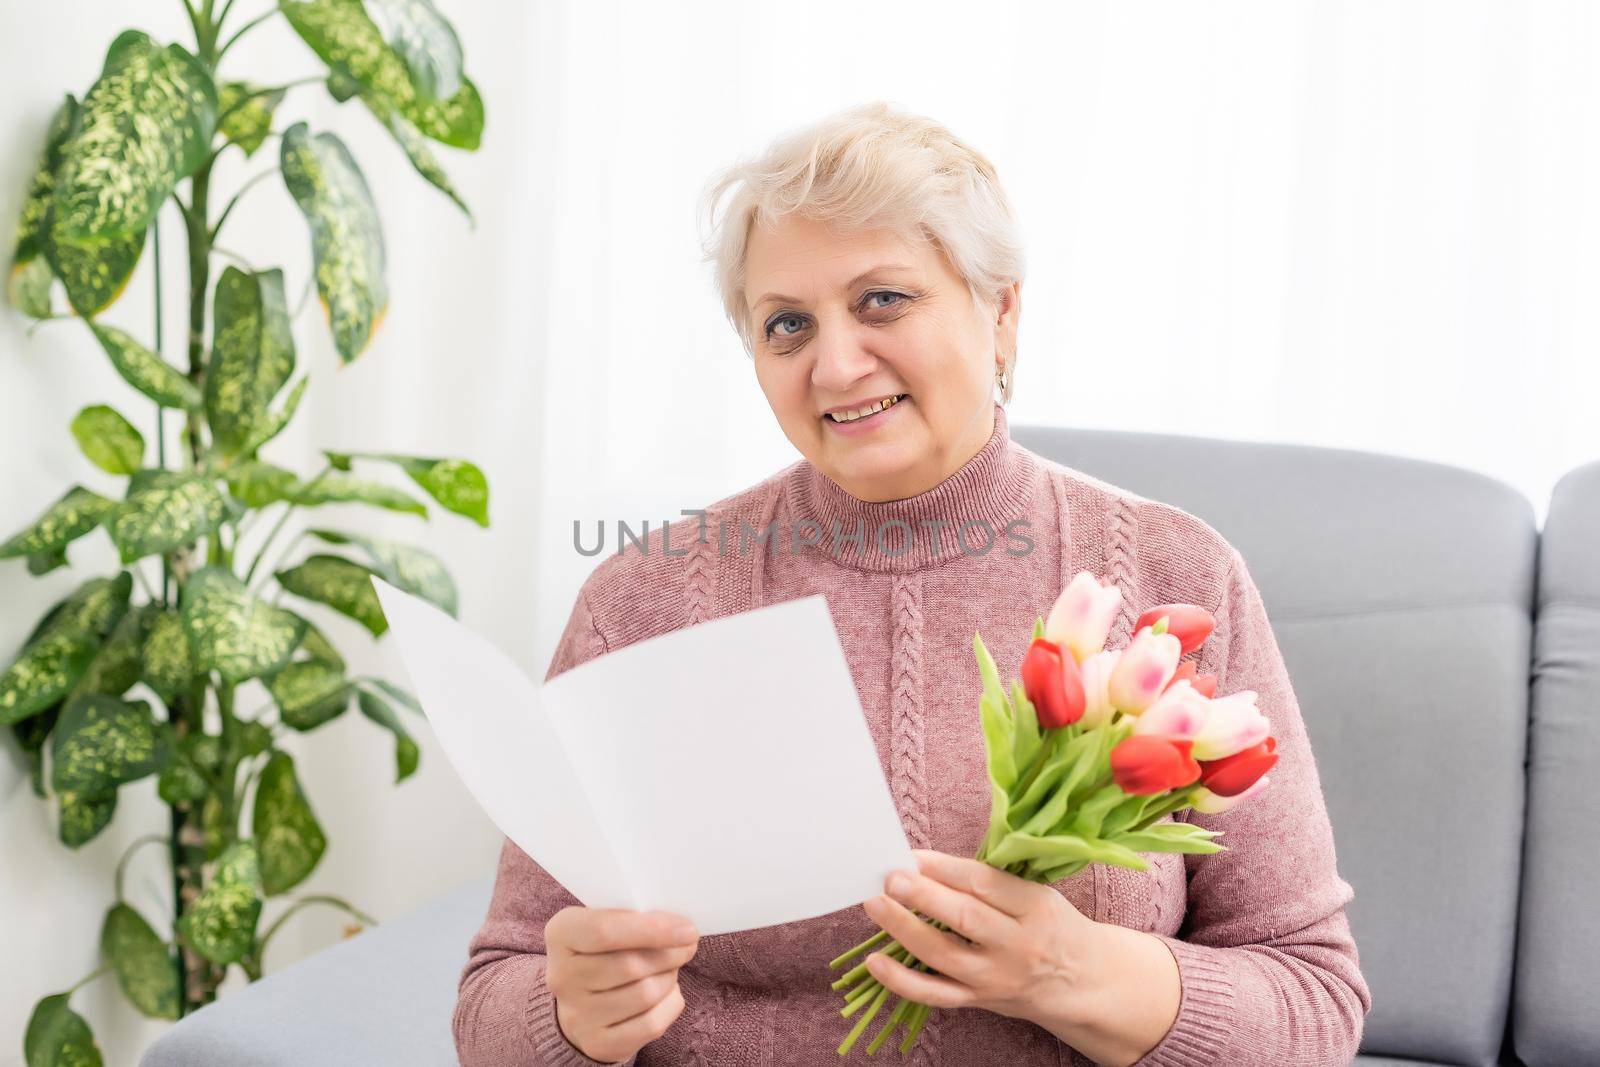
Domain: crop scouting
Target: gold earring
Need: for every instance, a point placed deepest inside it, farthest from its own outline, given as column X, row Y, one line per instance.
column 1002, row 379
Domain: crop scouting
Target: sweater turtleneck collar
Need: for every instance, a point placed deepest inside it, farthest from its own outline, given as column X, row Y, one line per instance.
column 966, row 514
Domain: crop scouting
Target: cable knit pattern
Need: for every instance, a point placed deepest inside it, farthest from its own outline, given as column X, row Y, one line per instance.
column 909, row 783
column 1268, row 968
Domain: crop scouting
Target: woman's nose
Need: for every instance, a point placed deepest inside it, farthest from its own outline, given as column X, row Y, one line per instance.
column 841, row 362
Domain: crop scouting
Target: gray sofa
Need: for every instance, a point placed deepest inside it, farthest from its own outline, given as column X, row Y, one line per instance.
column 1446, row 656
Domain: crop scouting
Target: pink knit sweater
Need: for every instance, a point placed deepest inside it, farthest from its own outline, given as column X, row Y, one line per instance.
column 1269, row 969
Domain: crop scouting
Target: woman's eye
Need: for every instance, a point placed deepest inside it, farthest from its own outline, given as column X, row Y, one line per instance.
column 882, row 292
column 780, row 320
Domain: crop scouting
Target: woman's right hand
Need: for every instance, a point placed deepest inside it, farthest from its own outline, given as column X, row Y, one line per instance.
column 614, row 975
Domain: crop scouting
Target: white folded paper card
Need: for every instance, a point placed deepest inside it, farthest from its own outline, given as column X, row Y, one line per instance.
column 723, row 771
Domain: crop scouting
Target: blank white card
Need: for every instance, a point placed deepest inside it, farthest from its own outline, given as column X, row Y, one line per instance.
column 723, row 771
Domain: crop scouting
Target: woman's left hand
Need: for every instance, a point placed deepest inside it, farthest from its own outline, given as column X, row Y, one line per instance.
column 1024, row 951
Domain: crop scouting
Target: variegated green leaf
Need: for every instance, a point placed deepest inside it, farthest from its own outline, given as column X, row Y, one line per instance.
column 455, row 483
column 415, row 570
column 309, row 693
column 284, row 827
column 399, row 694
column 214, row 826
column 203, row 750
column 102, row 742
column 93, row 273
column 252, row 355
column 45, row 562
column 379, row 711
column 168, row 664
column 231, row 631
column 74, row 513
column 245, row 113
column 333, row 488
column 348, row 41
column 254, row 738
column 424, row 40
column 62, row 647
column 118, row 663
column 342, row 584
column 406, row 135
column 273, row 423
column 83, row 815
column 259, row 483
column 163, row 511
column 57, row 1036
column 181, row 783
column 144, row 963
column 146, row 371
column 315, row 645
column 30, row 274
column 221, row 923
column 145, row 124
column 110, row 441
column 346, row 236
column 31, row 734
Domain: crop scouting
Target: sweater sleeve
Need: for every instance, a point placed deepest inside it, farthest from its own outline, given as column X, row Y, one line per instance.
column 505, row 1014
column 1269, row 969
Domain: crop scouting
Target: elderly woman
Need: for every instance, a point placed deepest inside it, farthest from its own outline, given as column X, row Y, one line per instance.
column 871, row 265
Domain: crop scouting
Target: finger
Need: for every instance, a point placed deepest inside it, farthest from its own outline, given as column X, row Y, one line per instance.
column 918, row 985
column 967, row 915
column 648, row 1024
column 617, row 1005
column 1002, row 891
column 613, row 929
column 937, row 948
column 595, row 972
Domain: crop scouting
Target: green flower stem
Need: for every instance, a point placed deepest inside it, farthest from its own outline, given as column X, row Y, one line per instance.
column 868, row 943
column 861, row 1024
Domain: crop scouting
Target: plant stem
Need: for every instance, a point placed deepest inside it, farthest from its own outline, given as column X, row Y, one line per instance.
column 128, row 854
column 260, row 951
column 273, row 533
column 86, row 979
column 228, row 208
column 246, row 28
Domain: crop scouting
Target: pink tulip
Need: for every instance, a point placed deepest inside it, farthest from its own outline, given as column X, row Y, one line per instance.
column 1233, row 724
column 1082, row 615
column 1204, row 800
column 1096, row 672
column 1143, row 670
column 1179, row 714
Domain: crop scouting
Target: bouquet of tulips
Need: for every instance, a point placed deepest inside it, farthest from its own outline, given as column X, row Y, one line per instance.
column 1087, row 752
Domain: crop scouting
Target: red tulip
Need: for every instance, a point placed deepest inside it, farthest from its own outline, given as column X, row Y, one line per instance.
column 1233, row 774
column 1204, row 684
column 1143, row 764
column 1185, row 670
column 1053, row 683
column 1189, row 623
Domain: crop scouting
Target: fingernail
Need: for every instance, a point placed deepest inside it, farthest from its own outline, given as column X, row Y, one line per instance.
column 684, row 932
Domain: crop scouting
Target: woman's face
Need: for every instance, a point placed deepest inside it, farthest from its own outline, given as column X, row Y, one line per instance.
column 840, row 321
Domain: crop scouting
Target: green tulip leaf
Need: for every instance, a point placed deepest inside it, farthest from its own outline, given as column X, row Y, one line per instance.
column 146, row 371
column 1170, row 837
column 309, row 693
column 144, row 125
column 74, row 513
column 341, row 584
column 1061, row 848
column 110, row 441
column 381, row 712
column 220, row 925
column 252, row 355
column 347, row 246
column 102, row 742
column 165, row 510
column 144, row 963
column 231, row 631
column 58, row 1036
column 406, row 567
column 84, row 815
column 245, row 113
column 284, row 827
column 257, row 483
column 334, row 488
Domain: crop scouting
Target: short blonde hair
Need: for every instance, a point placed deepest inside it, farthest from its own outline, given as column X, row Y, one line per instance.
column 868, row 167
